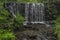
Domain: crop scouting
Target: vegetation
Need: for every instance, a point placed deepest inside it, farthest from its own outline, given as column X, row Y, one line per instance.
column 6, row 21
column 6, row 35
column 57, row 24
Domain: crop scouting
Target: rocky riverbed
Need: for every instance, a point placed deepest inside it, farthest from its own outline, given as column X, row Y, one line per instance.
column 36, row 32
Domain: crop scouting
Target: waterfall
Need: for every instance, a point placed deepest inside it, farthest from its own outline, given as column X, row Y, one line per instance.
column 34, row 13
column 12, row 7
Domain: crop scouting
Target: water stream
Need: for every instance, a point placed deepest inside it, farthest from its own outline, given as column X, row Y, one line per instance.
column 34, row 13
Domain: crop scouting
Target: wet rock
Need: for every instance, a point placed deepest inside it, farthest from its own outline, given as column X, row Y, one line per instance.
column 43, row 33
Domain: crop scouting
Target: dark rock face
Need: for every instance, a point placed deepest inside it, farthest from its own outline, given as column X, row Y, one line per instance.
column 21, row 8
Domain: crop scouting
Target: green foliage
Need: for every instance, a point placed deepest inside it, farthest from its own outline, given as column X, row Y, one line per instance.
column 25, row 1
column 6, row 35
column 3, row 13
column 19, row 18
column 57, row 24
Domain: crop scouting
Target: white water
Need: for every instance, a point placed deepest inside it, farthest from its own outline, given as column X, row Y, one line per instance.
column 34, row 13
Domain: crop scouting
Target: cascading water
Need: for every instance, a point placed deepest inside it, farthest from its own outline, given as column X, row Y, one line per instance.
column 34, row 13
column 12, row 7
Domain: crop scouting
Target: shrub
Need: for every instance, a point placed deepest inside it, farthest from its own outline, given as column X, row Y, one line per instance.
column 6, row 35
column 57, row 24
